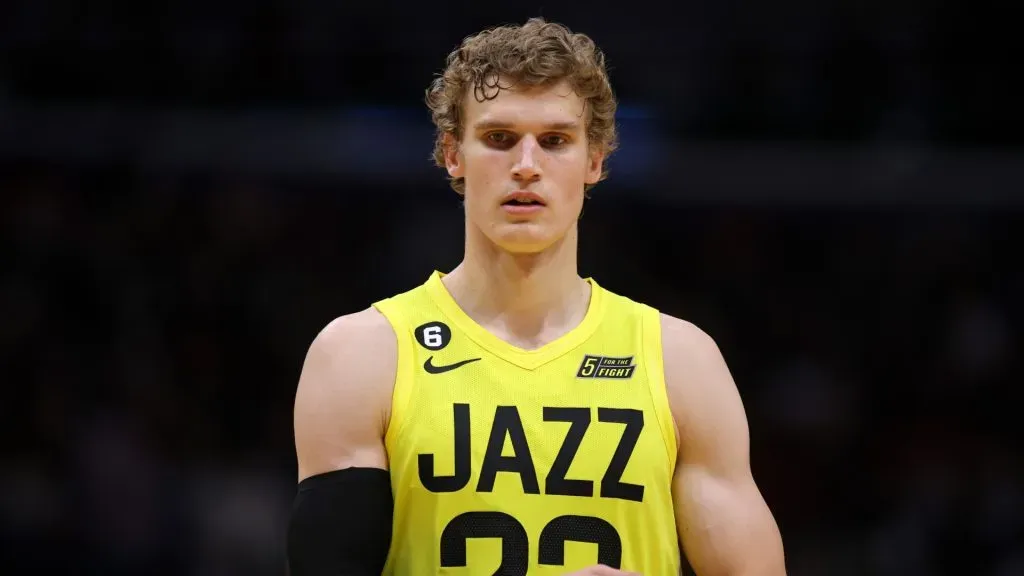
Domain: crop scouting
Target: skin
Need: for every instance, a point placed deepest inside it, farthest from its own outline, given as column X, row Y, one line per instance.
column 519, row 280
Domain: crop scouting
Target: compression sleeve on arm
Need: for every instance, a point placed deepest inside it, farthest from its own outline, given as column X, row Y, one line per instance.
column 341, row 524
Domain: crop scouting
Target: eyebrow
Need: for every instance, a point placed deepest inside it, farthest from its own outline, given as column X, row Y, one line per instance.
column 502, row 125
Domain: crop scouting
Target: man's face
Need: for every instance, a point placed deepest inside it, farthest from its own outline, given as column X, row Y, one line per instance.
column 525, row 159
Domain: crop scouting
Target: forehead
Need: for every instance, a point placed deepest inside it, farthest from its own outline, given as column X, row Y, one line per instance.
column 516, row 105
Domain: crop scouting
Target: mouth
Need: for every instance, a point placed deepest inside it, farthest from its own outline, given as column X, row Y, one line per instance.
column 523, row 199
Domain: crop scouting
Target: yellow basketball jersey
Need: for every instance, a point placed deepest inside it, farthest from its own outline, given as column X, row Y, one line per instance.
column 507, row 461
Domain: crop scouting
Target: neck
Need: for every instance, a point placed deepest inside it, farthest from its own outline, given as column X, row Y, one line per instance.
column 526, row 299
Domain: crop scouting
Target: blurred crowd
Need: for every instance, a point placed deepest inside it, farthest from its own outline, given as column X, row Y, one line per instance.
column 154, row 326
column 893, row 69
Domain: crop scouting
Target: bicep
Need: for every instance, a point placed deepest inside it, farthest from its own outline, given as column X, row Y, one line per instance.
column 342, row 397
column 341, row 518
column 724, row 524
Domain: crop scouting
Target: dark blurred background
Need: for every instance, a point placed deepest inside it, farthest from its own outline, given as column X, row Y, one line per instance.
column 191, row 190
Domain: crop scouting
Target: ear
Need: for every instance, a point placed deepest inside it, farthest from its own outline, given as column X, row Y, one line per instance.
column 595, row 163
column 453, row 156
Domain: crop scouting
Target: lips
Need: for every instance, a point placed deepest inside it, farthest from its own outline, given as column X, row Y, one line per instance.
column 523, row 198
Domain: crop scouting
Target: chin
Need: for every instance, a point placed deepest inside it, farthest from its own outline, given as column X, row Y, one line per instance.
column 524, row 238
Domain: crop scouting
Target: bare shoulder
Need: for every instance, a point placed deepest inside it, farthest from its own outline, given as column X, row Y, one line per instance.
column 358, row 350
column 682, row 336
column 687, row 351
column 343, row 397
column 700, row 386
column 367, row 329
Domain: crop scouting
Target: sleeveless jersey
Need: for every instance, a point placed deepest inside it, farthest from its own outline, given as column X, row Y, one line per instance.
column 507, row 461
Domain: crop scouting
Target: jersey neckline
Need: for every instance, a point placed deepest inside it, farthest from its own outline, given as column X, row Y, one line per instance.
column 529, row 359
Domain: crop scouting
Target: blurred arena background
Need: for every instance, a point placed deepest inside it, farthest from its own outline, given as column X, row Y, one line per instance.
column 191, row 190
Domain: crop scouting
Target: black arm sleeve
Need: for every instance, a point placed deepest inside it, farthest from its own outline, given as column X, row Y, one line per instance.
column 341, row 524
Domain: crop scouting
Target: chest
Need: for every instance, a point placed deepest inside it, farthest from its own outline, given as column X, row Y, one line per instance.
column 585, row 426
column 568, row 421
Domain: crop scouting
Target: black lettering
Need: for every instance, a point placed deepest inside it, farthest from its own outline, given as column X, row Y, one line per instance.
column 556, row 482
column 507, row 423
column 579, row 529
column 515, row 544
column 611, row 484
column 462, row 453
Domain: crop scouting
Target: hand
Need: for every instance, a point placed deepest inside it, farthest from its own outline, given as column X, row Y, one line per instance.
column 602, row 570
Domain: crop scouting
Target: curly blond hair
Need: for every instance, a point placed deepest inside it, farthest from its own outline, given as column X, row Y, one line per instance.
column 538, row 53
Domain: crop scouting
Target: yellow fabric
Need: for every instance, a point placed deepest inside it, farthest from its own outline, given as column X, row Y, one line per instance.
column 518, row 506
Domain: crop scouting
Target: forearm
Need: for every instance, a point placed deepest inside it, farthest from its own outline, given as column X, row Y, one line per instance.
column 341, row 524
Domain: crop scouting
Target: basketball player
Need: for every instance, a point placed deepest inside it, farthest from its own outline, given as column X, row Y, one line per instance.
column 510, row 417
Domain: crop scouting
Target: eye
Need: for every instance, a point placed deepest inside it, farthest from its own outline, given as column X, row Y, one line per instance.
column 554, row 140
column 499, row 139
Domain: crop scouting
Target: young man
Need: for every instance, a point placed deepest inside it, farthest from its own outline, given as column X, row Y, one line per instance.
column 511, row 417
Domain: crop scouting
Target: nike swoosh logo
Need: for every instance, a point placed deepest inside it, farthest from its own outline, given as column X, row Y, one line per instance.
column 432, row 369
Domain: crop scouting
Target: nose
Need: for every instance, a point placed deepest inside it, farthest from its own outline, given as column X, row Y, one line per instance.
column 526, row 166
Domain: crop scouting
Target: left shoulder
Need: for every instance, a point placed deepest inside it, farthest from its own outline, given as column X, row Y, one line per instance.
column 697, row 378
column 680, row 337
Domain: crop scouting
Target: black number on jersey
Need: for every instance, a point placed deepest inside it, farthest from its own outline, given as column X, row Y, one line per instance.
column 579, row 529
column 508, row 425
column 515, row 545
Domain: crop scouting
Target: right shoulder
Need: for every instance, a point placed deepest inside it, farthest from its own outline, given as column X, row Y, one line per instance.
column 362, row 343
column 367, row 328
column 343, row 398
